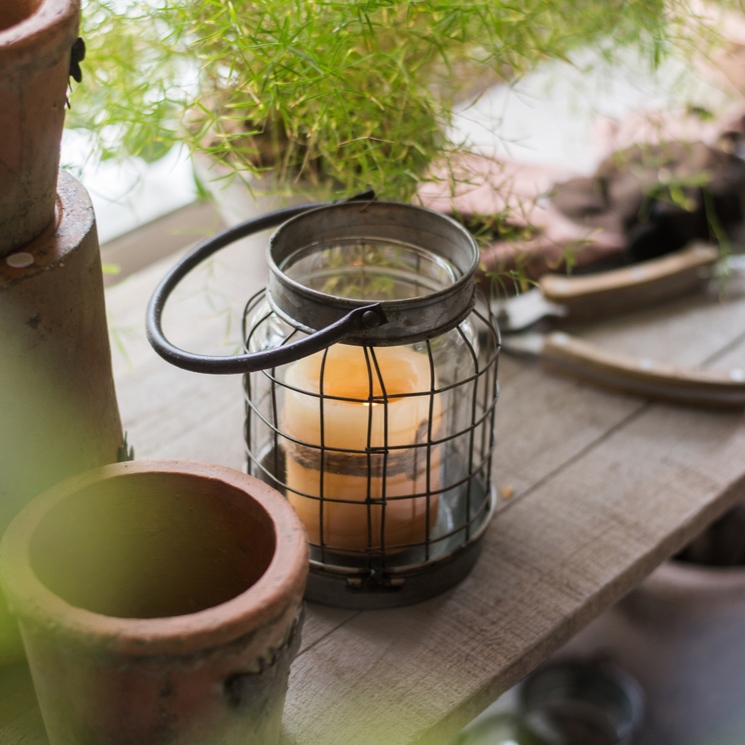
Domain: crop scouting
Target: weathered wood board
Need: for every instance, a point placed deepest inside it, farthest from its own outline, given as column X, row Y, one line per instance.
column 604, row 487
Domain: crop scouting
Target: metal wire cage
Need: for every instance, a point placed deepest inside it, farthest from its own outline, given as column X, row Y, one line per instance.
column 382, row 443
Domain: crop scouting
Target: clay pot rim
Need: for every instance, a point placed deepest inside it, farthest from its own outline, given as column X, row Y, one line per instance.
column 53, row 23
column 274, row 598
column 73, row 218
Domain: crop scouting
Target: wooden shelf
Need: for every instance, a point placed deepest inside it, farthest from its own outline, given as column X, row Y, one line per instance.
column 605, row 487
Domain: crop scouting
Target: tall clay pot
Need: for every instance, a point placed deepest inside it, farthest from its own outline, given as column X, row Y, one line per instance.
column 36, row 39
column 58, row 409
column 159, row 604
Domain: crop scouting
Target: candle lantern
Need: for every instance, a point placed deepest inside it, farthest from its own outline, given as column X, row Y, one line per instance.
column 370, row 376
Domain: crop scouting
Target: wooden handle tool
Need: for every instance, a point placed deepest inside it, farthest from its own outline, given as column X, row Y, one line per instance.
column 571, row 356
column 624, row 289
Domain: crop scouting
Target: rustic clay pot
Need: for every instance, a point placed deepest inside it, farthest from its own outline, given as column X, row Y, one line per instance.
column 58, row 409
column 158, row 603
column 681, row 635
column 36, row 38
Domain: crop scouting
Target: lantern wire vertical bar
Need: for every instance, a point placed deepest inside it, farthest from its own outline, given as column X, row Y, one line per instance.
column 494, row 388
column 474, row 413
column 485, row 422
column 368, row 499
column 484, row 408
column 248, row 421
column 247, row 389
column 428, row 508
column 275, row 433
column 385, row 454
column 322, row 469
column 275, row 436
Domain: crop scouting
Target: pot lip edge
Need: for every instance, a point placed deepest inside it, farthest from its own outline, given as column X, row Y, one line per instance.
column 273, row 597
column 73, row 220
column 48, row 26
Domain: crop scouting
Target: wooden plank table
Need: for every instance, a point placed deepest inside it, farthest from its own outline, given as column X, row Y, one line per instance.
column 604, row 487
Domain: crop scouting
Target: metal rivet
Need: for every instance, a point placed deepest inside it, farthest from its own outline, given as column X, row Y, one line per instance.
column 638, row 273
column 560, row 339
column 737, row 374
column 20, row 260
column 646, row 365
column 370, row 319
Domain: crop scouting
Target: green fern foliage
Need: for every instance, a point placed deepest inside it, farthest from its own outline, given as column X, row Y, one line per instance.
column 350, row 93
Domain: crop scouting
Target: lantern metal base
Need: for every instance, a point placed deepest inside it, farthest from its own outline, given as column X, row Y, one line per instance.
column 408, row 578
column 398, row 586
column 391, row 591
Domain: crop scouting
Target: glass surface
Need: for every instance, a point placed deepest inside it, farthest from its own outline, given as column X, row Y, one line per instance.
column 383, row 451
column 369, row 269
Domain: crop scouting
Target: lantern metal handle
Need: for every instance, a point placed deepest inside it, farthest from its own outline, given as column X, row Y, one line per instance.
column 366, row 317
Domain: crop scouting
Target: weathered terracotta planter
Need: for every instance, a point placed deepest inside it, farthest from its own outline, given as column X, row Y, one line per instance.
column 58, row 408
column 158, row 603
column 36, row 38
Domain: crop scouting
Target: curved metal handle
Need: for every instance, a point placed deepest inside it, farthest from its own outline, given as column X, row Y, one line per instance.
column 357, row 320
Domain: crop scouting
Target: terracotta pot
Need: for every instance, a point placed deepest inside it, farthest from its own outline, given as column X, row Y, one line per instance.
column 158, row 603
column 36, row 38
column 680, row 634
column 58, row 408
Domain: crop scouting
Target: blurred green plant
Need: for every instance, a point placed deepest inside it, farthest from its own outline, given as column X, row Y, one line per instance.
column 347, row 93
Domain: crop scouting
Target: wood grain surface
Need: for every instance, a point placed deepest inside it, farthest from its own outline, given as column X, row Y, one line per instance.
column 603, row 487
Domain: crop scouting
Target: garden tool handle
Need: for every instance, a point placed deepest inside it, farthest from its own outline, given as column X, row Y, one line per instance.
column 571, row 356
column 624, row 289
column 365, row 317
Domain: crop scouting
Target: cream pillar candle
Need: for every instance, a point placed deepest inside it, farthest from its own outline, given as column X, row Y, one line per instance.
column 354, row 425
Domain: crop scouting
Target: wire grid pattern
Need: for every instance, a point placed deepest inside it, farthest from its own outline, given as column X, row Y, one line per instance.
column 448, row 463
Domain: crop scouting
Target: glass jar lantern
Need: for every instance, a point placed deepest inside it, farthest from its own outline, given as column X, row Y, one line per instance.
column 370, row 377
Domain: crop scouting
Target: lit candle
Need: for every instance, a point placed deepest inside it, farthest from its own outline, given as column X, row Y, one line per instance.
column 355, row 425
